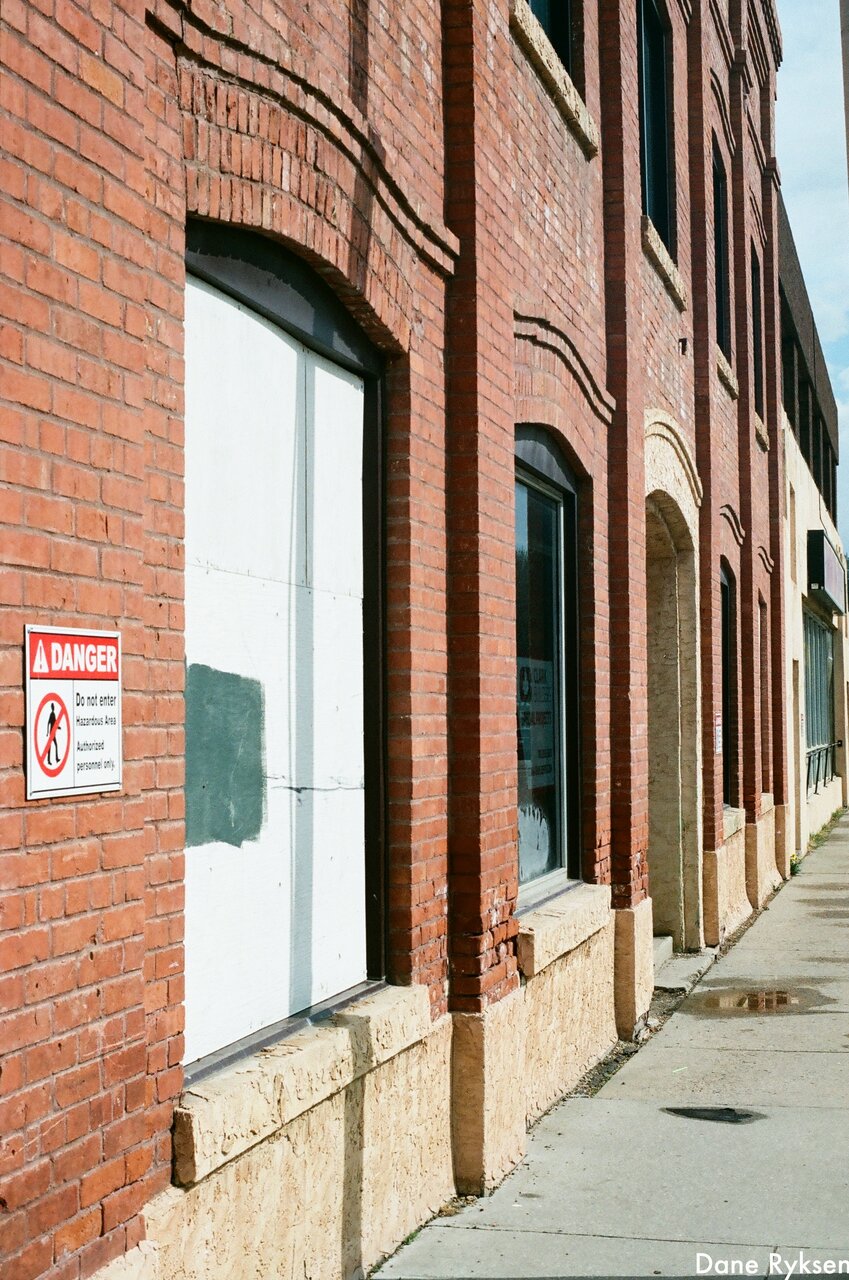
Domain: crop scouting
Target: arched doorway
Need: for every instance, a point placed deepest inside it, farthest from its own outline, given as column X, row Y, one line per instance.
column 673, row 495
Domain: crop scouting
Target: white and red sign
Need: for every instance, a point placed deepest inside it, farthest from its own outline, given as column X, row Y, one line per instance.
column 73, row 697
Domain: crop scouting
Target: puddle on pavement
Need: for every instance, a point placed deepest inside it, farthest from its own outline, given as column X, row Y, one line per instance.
column 737, row 1000
column 719, row 1115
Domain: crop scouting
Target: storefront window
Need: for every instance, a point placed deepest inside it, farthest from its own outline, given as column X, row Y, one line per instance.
column 546, row 662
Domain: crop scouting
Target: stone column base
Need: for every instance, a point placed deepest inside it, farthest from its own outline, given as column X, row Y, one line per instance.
column 783, row 839
column 762, row 876
column 726, row 900
column 488, row 1094
column 633, row 967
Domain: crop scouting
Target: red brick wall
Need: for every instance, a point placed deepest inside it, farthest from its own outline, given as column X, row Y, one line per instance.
column 91, row 536
column 114, row 131
column 538, row 305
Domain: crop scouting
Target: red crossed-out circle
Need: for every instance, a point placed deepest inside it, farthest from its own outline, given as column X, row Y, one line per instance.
column 52, row 770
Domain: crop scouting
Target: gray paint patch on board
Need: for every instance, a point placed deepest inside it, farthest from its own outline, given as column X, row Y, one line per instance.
column 225, row 757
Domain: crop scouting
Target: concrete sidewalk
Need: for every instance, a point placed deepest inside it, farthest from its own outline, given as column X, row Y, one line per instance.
column 622, row 1184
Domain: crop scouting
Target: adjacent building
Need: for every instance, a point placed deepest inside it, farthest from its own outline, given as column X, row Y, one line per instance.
column 402, row 388
column 816, row 564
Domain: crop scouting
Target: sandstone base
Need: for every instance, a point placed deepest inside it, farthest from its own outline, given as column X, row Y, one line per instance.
column 762, row 874
column 783, row 839
column 488, row 1120
column 317, row 1165
column 566, row 953
column 726, row 901
column 634, row 967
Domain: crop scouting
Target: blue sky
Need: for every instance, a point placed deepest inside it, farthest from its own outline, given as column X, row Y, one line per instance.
column 811, row 146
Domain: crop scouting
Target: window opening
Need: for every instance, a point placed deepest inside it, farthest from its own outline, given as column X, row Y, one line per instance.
column 765, row 683
column 653, row 58
column 720, row 239
column 757, row 334
column 819, row 702
column 558, row 20
column 546, row 662
column 729, row 686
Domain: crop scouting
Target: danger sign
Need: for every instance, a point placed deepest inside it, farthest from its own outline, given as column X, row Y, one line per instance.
column 73, row 698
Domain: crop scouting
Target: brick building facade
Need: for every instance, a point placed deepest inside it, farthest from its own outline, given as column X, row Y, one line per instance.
column 340, row 342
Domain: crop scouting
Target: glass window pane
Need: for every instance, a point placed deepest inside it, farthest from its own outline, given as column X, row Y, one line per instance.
column 539, row 661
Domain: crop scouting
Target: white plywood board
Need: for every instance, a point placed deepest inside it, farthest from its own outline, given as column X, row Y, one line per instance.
column 245, row 496
column 279, row 923
column 334, row 478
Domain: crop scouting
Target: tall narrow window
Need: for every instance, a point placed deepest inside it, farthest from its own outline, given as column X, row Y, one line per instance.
column 653, row 57
column 558, row 19
column 729, row 686
column 757, row 334
column 546, row 662
column 720, row 241
column 766, row 719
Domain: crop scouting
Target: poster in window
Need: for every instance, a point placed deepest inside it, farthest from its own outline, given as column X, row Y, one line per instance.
column 537, row 720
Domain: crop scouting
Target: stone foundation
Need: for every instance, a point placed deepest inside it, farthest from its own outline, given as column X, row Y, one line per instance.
column 783, row 839
column 762, row 874
column 566, row 953
column 488, row 1120
column 726, row 901
column 343, row 1138
column 634, row 966
column 313, row 1158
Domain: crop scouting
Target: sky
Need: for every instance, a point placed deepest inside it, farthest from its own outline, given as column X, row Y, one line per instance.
column 811, row 148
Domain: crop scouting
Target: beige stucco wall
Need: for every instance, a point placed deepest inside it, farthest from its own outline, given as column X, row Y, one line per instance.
column 804, row 509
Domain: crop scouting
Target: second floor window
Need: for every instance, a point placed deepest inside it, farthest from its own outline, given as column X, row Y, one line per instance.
column 558, row 19
column 653, row 59
column 757, row 334
column 720, row 239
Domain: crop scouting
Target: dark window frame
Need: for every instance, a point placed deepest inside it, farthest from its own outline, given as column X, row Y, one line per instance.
column 819, row 673
column 655, row 114
column 757, row 333
column 722, row 281
column 538, row 459
column 562, row 22
column 728, row 641
column 274, row 283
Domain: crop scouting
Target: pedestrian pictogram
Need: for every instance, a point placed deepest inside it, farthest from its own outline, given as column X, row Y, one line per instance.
column 73, row 700
column 52, row 736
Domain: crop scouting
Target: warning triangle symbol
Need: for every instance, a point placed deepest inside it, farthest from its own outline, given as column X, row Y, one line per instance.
column 39, row 666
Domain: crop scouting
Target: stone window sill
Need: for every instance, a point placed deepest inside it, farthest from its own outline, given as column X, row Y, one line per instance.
column 561, row 925
column 733, row 820
column 767, row 803
column 658, row 255
column 229, row 1112
column 540, row 52
column 761, row 434
column 726, row 374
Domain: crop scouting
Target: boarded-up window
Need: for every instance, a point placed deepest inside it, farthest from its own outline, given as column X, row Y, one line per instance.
column 275, row 871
